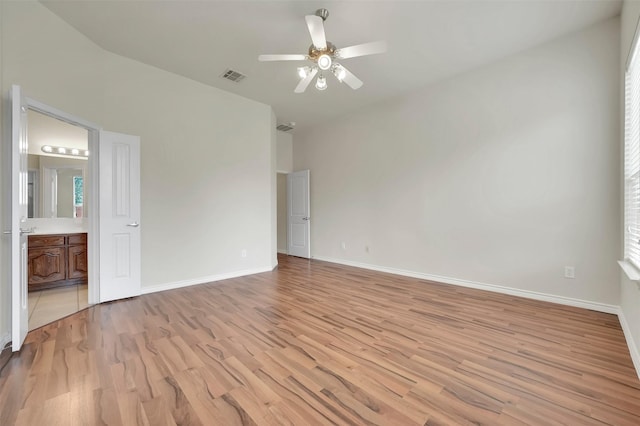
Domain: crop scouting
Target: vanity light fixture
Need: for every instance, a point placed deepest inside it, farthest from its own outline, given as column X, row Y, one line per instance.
column 61, row 150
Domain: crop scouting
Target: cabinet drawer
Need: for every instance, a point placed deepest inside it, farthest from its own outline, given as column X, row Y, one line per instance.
column 77, row 239
column 46, row 240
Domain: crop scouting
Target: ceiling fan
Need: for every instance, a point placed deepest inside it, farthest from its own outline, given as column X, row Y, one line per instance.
column 325, row 56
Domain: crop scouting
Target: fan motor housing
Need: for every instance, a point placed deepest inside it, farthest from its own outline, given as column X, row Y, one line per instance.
column 315, row 53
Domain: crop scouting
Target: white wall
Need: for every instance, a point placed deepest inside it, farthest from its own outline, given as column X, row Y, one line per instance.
column 282, row 213
column 273, row 183
column 206, row 170
column 284, row 149
column 284, row 165
column 208, row 157
column 629, row 291
column 499, row 176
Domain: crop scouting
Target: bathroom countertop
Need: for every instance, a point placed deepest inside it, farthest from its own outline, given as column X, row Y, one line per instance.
column 43, row 226
column 57, row 231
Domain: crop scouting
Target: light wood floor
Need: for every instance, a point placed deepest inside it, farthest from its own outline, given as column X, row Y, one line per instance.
column 317, row 343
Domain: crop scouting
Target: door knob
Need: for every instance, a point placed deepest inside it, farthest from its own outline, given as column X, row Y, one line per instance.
column 133, row 225
column 306, row 218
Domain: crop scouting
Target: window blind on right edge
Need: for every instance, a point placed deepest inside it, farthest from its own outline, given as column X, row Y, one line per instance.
column 632, row 160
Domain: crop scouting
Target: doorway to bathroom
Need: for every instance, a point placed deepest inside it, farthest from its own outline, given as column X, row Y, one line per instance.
column 57, row 223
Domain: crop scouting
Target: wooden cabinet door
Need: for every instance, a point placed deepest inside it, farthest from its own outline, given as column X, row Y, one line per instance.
column 77, row 262
column 47, row 265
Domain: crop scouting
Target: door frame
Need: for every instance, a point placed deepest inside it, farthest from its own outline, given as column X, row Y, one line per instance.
column 307, row 176
column 92, row 198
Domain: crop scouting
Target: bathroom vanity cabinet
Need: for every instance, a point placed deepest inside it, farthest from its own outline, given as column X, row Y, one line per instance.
column 57, row 260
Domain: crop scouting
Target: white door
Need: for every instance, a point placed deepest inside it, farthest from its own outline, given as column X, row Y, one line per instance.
column 298, row 218
column 19, row 194
column 119, row 175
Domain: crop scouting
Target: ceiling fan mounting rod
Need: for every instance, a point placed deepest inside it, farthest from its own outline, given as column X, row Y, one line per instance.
column 323, row 13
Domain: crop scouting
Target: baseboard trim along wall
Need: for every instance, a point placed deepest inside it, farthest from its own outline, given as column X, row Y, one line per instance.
column 203, row 280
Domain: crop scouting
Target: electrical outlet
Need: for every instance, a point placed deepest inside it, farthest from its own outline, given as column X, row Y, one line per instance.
column 243, row 253
column 344, row 245
column 569, row 272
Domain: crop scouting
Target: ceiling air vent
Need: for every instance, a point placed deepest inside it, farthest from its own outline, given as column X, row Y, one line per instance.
column 232, row 75
column 285, row 127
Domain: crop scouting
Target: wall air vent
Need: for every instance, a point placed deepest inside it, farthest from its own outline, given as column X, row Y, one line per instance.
column 232, row 75
column 285, row 127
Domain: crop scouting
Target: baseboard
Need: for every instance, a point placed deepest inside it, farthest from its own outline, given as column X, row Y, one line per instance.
column 283, row 251
column 4, row 340
column 203, row 280
column 579, row 303
column 633, row 347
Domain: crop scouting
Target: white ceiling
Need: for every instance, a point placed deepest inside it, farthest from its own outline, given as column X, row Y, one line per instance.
column 428, row 41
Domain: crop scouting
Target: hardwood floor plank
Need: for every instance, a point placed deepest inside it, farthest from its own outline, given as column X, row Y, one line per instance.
column 106, row 409
column 158, row 413
column 314, row 343
column 177, row 402
column 131, row 409
column 294, row 404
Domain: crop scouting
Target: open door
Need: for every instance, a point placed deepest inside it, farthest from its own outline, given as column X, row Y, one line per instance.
column 119, row 157
column 298, row 214
column 114, row 225
column 19, row 194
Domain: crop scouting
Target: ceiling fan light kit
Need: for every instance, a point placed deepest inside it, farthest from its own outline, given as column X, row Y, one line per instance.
column 303, row 71
column 321, row 83
column 324, row 54
column 339, row 71
column 324, row 62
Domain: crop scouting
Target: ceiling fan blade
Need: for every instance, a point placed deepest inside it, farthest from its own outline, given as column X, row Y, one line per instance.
column 302, row 86
column 264, row 58
column 351, row 80
column 316, row 30
column 372, row 48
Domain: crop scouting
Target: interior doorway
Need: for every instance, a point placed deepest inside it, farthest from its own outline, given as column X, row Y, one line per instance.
column 112, row 203
column 58, row 163
column 293, row 214
column 299, row 214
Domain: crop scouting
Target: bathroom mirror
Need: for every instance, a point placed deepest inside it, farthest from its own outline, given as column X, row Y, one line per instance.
column 58, row 166
column 56, row 187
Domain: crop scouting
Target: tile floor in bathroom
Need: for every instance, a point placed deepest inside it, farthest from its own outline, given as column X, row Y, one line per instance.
column 46, row 306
